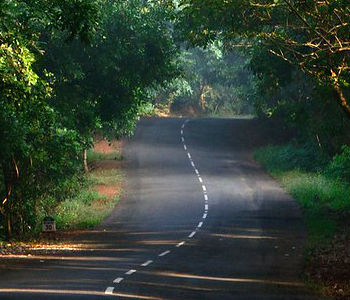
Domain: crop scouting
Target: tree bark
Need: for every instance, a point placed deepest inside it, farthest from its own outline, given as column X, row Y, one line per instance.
column 5, row 202
column 342, row 98
column 86, row 167
column 8, row 226
column 202, row 97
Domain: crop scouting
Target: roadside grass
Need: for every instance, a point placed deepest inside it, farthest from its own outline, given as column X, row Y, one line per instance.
column 323, row 199
column 93, row 156
column 84, row 211
column 325, row 202
column 105, row 177
column 89, row 207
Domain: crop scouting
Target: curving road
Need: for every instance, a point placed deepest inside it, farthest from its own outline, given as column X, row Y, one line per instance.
column 200, row 220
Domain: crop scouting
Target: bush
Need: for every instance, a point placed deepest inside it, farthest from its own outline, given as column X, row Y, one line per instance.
column 323, row 198
column 289, row 157
column 339, row 167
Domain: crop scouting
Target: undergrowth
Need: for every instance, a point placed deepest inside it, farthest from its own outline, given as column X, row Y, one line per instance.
column 88, row 208
column 93, row 156
column 315, row 183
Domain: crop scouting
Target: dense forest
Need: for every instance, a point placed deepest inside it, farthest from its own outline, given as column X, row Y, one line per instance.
column 71, row 68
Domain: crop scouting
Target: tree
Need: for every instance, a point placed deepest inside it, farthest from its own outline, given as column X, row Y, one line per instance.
column 29, row 132
column 101, row 85
column 212, row 82
column 312, row 35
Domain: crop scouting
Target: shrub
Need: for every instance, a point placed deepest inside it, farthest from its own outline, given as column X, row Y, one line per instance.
column 339, row 167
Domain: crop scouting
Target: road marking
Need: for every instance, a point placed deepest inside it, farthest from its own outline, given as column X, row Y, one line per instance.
column 192, row 234
column 109, row 290
column 164, row 253
column 180, row 244
column 148, row 262
column 118, row 280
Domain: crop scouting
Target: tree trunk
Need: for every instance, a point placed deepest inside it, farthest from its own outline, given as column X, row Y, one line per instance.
column 86, row 168
column 5, row 202
column 202, row 97
column 8, row 226
column 342, row 98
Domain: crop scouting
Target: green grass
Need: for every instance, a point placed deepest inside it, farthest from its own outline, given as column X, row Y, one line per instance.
column 323, row 199
column 88, row 208
column 106, row 177
column 93, row 156
column 80, row 211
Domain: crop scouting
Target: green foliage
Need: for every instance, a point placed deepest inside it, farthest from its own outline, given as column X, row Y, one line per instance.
column 68, row 68
column 323, row 198
column 93, row 156
column 87, row 208
column 286, row 158
column 340, row 165
column 298, row 53
column 105, row 177
column 77, row 212
column 212, row 82
column 103, row 85
column 313, row 36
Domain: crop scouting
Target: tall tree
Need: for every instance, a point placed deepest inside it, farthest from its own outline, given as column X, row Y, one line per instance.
column 312, row 35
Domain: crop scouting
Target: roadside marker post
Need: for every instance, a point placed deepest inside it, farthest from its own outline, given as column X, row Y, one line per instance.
column 49, row 225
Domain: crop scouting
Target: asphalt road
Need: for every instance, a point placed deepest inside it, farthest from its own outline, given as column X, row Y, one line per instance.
column 200, row 220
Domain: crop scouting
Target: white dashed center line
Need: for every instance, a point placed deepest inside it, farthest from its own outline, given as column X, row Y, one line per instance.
column 148, row 262
column 109, row 290
column 130, row 272
column 192, row 234
column 118, row 280
column 180, row 244
column 164, row 253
